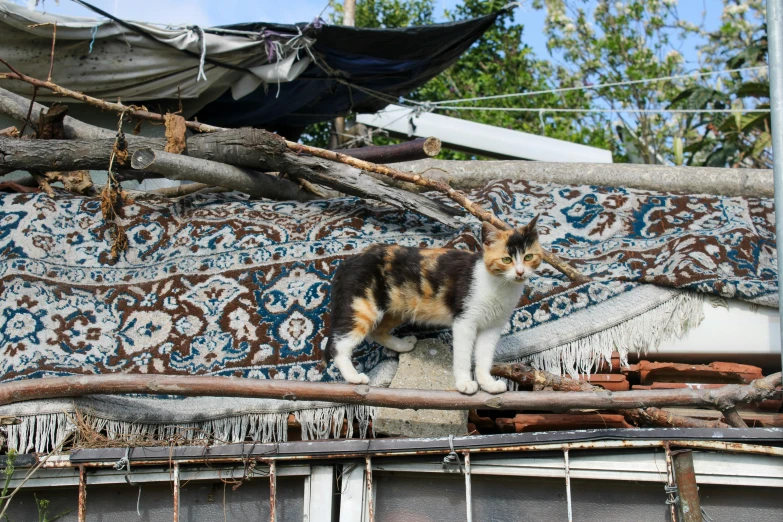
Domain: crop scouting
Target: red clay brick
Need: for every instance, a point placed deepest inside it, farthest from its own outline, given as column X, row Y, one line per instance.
column 525, row 422
column 608, row 381
column 716, row 372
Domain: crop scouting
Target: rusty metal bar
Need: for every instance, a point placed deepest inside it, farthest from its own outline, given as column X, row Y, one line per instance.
column 242, row 452
column 567, row 469
column 671, row 487
column 368, row 475
column 468, row 488
column 272, row 491
column 82, row 510
column 176, row 492
column 685, row 478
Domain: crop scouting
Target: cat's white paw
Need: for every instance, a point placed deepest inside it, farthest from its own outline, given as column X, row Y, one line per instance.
column 494, row 386
column 360, row 378
column 467, row 387
column 407, row 344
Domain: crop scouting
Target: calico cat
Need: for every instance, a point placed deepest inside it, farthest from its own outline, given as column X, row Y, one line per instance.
column 473, row 292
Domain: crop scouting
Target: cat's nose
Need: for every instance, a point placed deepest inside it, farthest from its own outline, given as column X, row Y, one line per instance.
column 520, row 272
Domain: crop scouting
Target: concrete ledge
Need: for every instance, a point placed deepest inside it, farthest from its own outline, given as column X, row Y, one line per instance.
column 427, row 367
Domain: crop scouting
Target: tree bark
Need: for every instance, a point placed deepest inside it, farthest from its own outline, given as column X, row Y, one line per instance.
column 530, row 378
column 193, row 386
column 467, row 175
column 214, row 174
column 258, row 149
column 417, row 149
column 67, row 155
column 16, row 106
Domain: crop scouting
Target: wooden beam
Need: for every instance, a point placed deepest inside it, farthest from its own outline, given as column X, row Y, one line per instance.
column 194, row 386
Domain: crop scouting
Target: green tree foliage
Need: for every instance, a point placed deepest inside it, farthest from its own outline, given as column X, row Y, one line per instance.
column 597, row 42
column 499, row 63
column 735, row 139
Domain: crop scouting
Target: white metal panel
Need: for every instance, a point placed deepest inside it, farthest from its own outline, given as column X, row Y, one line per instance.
column 319, row 505
column 54, row 477
column 353, row 507
column 481, row 137
column 739, row 328
column 711, row 468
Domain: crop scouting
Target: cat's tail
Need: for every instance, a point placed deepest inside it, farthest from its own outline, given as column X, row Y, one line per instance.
column 327, row 354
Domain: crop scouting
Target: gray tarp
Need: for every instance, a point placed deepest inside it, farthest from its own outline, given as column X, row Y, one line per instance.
column 124, row 64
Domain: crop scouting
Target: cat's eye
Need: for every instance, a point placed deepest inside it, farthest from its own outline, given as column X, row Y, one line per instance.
column 506, row 260
column 529, row 257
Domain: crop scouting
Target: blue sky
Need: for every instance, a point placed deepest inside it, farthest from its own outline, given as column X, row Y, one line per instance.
column 221, row 12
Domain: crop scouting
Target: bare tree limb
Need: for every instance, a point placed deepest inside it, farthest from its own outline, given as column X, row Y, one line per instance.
column 530, row 378
column 413, row 150
column 192, row 386
column 262, row 150
column 212, row 173
column 70, row 155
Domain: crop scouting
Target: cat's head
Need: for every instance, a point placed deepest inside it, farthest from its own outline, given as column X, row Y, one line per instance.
column 512, row 254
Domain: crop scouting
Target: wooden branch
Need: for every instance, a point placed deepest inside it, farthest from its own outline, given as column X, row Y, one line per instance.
column 193, row 386
column 733, row 417
column 212, row 173
column 417, row 149
column 262, row 150
column 338, row 177
column 68, row 155
column 130, row 110
column 9, row 132
column 50, row 123
column 7, row 420
column 181, row 190
column 530, row 378
column 15, row 107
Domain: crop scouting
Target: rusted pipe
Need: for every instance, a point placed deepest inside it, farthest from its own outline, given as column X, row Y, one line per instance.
column 82, row 509
column 192, row 386
column 176, row 492
column 685, row 478
column 272, row 491
column 368, row 475
column 671, row 487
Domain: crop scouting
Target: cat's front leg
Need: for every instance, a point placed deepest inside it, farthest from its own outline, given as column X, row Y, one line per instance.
column 486, row 341
column 464, row 337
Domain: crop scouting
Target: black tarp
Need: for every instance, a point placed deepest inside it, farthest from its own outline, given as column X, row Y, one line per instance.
column 390, row 61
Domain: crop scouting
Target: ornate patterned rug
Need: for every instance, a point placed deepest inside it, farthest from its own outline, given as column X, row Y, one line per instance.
column 224, row 285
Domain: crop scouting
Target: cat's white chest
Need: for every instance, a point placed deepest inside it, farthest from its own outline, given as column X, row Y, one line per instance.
column 491, row 301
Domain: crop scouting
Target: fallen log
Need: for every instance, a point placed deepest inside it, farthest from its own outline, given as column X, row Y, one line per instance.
column 262, row 150
column 194, row 386
column 15, row 106
column 413, row 150
column 212, row 173
column 69, row 155
column 467, row 175
column 336, row 176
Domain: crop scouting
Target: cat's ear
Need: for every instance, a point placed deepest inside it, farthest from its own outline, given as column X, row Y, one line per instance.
column 531, row 227
column 489, row 234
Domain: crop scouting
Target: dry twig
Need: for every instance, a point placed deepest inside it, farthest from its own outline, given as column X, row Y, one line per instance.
column 530, row 378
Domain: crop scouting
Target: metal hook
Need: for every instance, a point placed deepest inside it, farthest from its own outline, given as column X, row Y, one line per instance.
column 452, row 457
column 124, row 462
